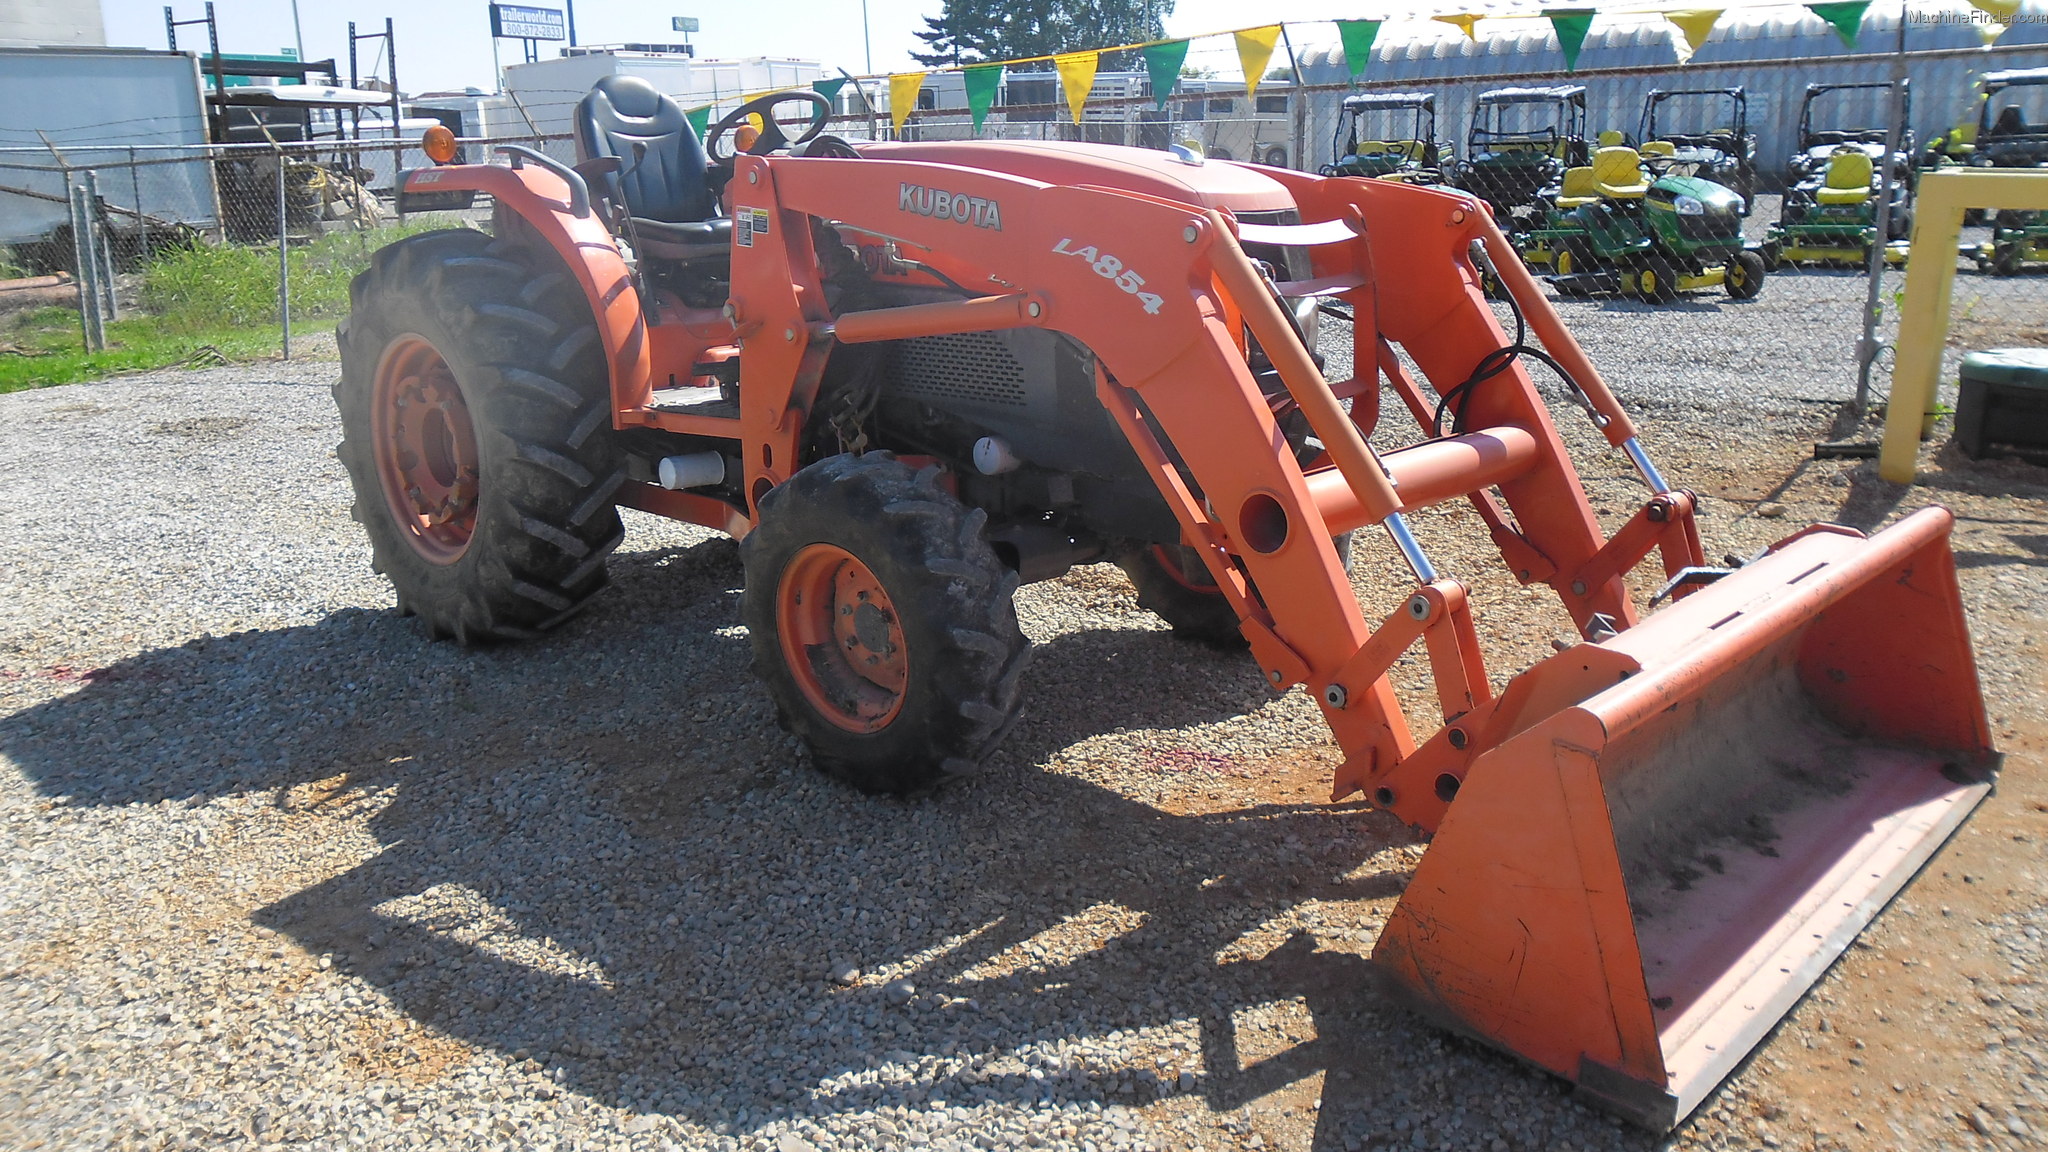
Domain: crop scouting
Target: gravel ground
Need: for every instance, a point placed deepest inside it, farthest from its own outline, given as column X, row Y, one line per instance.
column 279, row 872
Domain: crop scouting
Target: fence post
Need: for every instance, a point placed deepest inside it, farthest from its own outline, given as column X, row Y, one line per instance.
column 284, row 267
column 102, row 250
column 86, row 261
column 142, row 250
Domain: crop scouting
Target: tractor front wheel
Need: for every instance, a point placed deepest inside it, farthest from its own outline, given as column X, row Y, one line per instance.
column 476, row 431
column 881, row 621
column 1744, row 275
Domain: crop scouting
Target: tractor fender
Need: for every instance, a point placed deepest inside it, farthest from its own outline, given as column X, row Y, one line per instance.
column 548, row 205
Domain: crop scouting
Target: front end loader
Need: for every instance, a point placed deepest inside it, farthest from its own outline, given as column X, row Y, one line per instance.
column 910, row 376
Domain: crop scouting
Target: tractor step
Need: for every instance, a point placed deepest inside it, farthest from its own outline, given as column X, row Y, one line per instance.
column 711, row 401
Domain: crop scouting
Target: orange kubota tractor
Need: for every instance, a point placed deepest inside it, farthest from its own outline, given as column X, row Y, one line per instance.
column 911, row 376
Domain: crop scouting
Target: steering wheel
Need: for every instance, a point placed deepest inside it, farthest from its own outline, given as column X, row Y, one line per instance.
column 772, row 136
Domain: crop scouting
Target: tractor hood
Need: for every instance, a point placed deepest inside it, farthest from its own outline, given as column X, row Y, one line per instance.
column 1207, row 184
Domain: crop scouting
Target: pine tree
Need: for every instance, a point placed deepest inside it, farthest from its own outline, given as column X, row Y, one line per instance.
column 972, row 31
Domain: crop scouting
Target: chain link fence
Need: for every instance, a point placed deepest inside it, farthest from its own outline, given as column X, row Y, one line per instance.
column 213, row 237
column 1617, row 183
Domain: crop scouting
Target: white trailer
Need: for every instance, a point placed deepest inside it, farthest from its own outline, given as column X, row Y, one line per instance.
column 549, row 89
column 101, row 108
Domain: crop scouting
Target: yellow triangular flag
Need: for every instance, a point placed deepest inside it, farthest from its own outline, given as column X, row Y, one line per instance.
column 1077, row 78
column 1463, row 21
column 2003, row 10
column 1694, row 26
column 1254, row 48
column 903, row 88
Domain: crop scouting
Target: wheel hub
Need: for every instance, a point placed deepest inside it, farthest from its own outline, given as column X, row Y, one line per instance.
column 842, row 639
column 426, row 449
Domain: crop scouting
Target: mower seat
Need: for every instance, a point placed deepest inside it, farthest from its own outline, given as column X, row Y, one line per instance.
column 1371, row 147
column 662, row 179
column 1659, row 148
column 1578, row 189
column 1612, row 138
column 1618, row 174
column 1848, row 179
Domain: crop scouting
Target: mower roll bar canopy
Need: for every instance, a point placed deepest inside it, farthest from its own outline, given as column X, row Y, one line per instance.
column 1366, row 100
column 1808, row 138
column 2009, row 120
column 1571, row 93
column 1738, row 129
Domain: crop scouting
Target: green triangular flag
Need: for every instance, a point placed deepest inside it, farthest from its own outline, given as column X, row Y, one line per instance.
column 1571, row 25
column 700, row 120
column 829, row 89
column 1358, row 36
column 982, row 81
column 1846, row 17
column 1162, row 63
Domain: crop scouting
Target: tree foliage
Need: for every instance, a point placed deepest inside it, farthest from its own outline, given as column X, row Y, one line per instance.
column 976, row 31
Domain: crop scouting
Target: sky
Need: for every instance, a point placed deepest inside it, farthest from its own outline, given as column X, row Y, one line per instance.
column 446, row 44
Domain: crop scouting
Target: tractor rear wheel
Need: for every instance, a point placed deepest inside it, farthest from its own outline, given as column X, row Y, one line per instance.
column 476, row 431
column 881, row 621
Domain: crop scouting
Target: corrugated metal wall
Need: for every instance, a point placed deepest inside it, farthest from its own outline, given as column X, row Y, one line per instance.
column 1773, row 55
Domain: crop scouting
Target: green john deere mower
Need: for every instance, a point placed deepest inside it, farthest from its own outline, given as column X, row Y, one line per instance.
column 1388, row 136
column 1623, row 225
column 2012, row 132
column 1833, row 182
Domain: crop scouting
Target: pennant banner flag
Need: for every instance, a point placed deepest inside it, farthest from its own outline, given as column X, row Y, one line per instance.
column 1463, row 21
column 1162, row 64
column 1358, row 36
column 1077, row 78
column 982, row 80
column 829, row 89
column 2002, row 12
column 1571, row 24
column 1254, row 48
column 700, row 120
column 1694, row 26
column 903, row 88
column 1846, row 17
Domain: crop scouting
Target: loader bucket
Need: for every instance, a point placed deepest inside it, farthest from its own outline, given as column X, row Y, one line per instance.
column 1631, row 890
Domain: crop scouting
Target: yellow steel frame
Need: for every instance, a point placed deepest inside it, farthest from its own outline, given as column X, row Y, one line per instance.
column 1930, row 283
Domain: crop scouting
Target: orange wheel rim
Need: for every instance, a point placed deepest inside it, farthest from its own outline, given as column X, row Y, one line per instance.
column 841, row 638
column 425, row 445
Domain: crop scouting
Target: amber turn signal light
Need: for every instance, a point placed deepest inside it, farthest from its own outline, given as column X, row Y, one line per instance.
column 438, row 143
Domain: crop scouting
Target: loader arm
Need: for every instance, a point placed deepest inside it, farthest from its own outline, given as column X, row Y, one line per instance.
column 1647, row 846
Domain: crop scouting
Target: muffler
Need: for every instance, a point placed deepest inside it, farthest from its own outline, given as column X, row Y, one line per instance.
column 1633, row 889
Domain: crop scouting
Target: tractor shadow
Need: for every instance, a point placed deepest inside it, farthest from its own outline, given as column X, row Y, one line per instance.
column 602, row 860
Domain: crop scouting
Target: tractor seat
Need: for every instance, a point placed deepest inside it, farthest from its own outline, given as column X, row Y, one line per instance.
column 662, row 180
column 1659, row 148
column 1578, row 189
column 1612, row 138
column 1618, row 174
column 1371, row 147
column 1848, row 179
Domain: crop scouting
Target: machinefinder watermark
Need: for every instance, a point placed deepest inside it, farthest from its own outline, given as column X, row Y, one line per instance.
column 1975, row 17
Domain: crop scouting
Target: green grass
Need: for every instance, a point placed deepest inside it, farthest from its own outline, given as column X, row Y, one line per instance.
column 205, row 304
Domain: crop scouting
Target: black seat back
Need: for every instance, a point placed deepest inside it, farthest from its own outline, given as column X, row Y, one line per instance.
column 662, row 163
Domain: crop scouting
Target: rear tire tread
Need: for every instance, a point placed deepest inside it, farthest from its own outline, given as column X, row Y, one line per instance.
column 545, row 522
